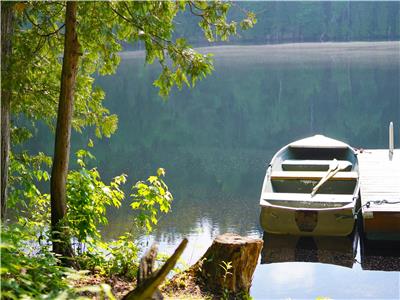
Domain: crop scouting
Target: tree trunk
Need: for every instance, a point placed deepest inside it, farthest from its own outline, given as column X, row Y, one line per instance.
column 7, row 28
column 229, row 263
column 59, row 172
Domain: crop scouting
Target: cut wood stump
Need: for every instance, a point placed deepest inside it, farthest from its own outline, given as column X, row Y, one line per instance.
column 229, row 263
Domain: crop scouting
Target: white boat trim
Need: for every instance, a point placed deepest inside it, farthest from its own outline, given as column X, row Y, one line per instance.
column 319, row 141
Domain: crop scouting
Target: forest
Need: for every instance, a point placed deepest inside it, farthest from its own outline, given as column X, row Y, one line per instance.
column 318, row 21
column 63, row 92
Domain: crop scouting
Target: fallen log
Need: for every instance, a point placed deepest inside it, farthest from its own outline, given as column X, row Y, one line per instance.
column 148, row 286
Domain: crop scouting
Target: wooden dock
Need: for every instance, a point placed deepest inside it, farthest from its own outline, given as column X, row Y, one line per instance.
column 380, row 193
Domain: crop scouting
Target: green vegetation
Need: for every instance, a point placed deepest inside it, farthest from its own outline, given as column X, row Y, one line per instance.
column 149, row 197
column 29, row 268
column 80, row 41
column 26, row 271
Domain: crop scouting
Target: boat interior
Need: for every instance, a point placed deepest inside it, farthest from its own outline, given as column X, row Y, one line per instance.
column 296, row 170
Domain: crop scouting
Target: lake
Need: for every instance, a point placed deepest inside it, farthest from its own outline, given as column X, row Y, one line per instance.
column 216, row 140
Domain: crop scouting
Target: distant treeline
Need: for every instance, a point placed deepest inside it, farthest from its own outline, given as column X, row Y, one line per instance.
column 283, row 22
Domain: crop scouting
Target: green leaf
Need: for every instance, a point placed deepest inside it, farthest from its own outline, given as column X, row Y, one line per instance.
column 160, row 172
column 153, row 179
column 90, row 143
column 135, row 205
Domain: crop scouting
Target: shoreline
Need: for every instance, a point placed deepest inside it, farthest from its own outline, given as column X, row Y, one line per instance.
column 337, row 48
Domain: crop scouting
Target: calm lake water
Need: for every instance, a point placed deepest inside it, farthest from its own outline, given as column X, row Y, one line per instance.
column 216, row 140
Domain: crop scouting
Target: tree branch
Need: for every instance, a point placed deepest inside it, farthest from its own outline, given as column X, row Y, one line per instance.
column 39, row 27
column 191, row 4
column 120, row 15
column 54, row 32
column 158, row 40
column 147, row 288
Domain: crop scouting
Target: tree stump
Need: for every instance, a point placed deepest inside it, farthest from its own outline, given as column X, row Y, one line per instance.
column 229, row 263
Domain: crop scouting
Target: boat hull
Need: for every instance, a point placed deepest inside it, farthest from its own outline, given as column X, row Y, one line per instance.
column 307, row 222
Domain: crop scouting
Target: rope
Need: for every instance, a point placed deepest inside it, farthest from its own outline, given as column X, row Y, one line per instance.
column 377, row 202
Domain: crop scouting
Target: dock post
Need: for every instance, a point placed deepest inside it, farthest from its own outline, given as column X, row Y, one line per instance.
column 391, row 140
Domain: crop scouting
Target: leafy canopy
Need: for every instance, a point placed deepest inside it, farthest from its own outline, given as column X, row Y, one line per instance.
column 103, row 29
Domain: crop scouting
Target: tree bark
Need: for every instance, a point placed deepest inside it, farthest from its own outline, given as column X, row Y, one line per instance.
column 59, row 172
column 240, row 253
column 7, row 29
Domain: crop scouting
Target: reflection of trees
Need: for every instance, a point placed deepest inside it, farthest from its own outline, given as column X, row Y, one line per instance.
column 216, row 139
column 188, row 217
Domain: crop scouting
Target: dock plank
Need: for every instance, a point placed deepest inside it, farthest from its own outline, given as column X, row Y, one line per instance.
column 379, row 180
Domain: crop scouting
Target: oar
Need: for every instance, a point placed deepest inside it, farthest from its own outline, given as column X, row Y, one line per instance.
column 334, row 167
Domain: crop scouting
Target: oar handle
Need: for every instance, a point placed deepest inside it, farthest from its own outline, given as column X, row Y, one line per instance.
column 328, row 175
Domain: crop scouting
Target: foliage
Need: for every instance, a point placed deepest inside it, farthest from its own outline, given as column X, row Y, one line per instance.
column 180, row 266
column 104, row 27
column 88, row 198
column 29, row 271
column 152, row 23
column 226, row 266
column 150, row 196
column 37, row 47
column 114, row 258
column 27, row 172
column 87, row 195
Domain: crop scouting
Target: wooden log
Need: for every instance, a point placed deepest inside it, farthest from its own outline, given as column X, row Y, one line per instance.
column 229, row 263
column 148, row 286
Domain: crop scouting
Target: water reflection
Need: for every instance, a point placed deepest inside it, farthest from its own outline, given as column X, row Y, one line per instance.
column 308, row 267
column 380, row 255
column 339, row 251
column 215, row 140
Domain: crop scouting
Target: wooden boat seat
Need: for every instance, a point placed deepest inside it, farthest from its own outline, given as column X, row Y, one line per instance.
column 311, row 165
column 300, row 197
column 313, row 175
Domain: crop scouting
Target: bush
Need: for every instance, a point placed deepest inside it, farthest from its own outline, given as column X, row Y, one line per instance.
column 29, row 268
column 28, row 271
